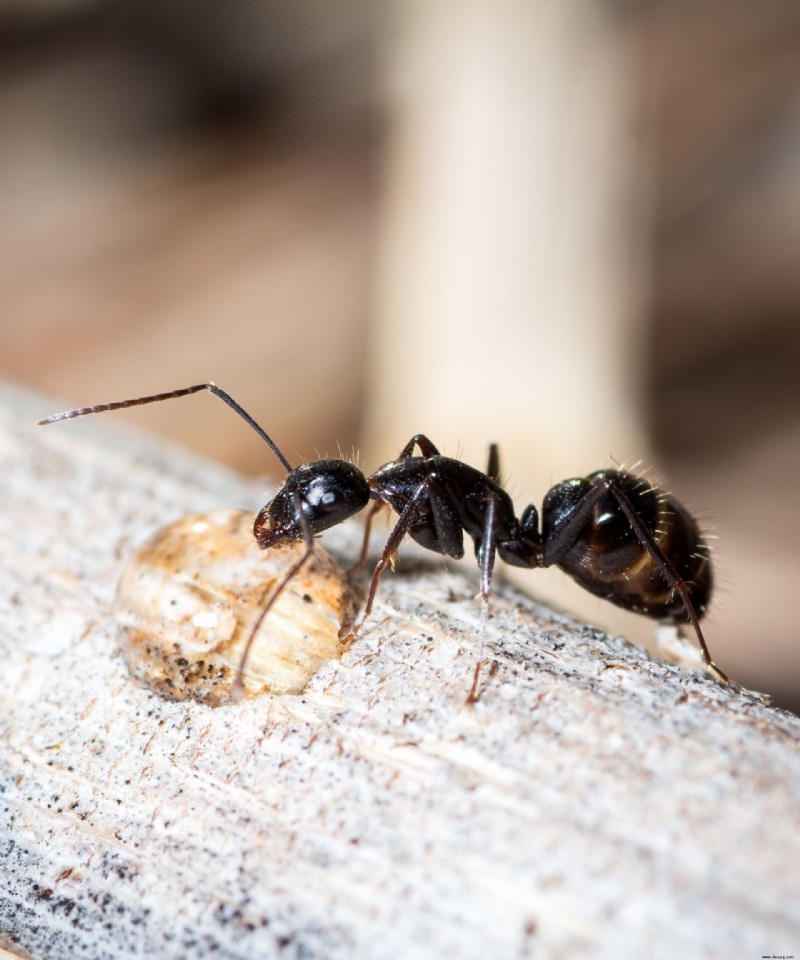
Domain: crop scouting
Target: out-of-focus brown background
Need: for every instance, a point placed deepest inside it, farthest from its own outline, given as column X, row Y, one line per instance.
column 572, row 227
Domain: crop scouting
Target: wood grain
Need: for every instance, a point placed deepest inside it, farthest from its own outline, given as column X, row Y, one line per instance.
column 594, row 803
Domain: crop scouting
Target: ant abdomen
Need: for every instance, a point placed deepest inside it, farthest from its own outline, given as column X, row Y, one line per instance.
column 597, row 529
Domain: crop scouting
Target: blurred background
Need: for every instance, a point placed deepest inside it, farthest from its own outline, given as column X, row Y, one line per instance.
column 568, row 226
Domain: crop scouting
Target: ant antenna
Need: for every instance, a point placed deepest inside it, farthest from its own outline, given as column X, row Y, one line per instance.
column 172, row 394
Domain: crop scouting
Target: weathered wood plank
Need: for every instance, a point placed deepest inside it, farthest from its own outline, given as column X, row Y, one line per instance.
column 594, row 803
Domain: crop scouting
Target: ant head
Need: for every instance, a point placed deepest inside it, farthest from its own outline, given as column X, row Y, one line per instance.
column 327, row 491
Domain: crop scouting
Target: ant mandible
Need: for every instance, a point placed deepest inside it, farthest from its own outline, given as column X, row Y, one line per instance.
column 617, row 535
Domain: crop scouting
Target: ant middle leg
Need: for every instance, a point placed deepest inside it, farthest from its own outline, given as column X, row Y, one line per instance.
column 488, row 553
column 401, row 528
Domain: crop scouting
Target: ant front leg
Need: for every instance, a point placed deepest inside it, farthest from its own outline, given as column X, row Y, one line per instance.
column 362, row 558
column 401, row 528
column 308, row 538
column 426, row 448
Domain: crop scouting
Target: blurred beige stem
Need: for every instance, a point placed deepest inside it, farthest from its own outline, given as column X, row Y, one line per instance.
column 594, row 804
column 509, row 302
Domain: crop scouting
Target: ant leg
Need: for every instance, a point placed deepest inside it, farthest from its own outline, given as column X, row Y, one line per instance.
column 171, row 395
column 493, row 469
column 374, row 508
column 488, row 554
column 401, row 528
column 668, row 571
column 560, row 544
column 308, row 538
column 426, row 448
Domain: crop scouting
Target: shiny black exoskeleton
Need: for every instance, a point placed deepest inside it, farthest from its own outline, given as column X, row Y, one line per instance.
column 617, row 535
column 626, row 541
column 328, row 492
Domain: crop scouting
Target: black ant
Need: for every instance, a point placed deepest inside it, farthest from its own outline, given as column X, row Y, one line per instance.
column 617, row 535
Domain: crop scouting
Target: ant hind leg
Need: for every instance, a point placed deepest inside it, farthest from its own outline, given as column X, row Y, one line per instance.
column 493, row 468
column 668, row 571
